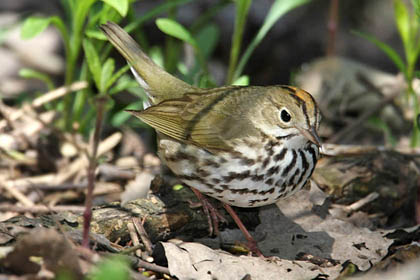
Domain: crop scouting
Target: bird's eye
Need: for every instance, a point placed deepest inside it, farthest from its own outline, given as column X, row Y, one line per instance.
column 285, row 116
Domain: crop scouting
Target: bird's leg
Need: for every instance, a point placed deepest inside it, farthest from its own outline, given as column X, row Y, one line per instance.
column 213, row 215
column 252, row 244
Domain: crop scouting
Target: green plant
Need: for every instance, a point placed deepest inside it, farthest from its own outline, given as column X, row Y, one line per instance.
column 79, row 31
column 408, row 27
column 80, row 34
column 81, row 18
column 115, row 267
column 235, row 69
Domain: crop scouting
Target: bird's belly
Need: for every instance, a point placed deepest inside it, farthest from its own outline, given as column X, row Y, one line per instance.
column 251, row 179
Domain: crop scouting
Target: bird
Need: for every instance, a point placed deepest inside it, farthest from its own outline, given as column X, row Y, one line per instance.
column 247, row 146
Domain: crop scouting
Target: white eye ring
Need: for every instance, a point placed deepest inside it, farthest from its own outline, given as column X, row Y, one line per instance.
column 285, row 115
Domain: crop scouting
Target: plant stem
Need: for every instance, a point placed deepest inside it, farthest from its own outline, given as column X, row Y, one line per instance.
column 332, row 27
column 87, row 215
column 242, row 8
column 415, row 136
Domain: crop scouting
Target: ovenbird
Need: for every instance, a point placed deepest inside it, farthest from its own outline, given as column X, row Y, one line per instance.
column 246, row 146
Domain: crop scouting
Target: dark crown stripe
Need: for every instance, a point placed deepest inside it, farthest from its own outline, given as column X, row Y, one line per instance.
column 305, row 112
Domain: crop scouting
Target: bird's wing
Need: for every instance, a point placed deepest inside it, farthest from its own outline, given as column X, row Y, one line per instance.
column 207, row 120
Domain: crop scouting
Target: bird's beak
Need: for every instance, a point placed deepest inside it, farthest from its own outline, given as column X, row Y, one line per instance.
column 311, row 135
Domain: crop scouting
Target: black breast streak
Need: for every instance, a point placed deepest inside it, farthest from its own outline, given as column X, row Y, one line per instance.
column 305, row 166
column 211, row 163
column 270, row 190
column 292, row 179
column 281, row 155
column 266, row 162
column 244, row 191
column 289, row 167
column 236, row 176
column 257, row 178
column 273, row 170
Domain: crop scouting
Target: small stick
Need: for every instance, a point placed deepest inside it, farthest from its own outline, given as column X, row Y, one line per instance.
column 417, row 207
column 332, row 27
column 40, row 208
column 151, row 266
column 362, row 202
column 87, row 215
column 17, row 194
column 59, row 92
column 134, row 237
column 131, row 249
column 143, row 234
column 45, row 98
column 329, row 149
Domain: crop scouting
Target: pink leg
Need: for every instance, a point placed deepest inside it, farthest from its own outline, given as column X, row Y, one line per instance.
column 252, row 244
column 213, row 215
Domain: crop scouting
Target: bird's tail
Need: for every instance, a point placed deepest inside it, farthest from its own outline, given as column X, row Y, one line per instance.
column 158, row 84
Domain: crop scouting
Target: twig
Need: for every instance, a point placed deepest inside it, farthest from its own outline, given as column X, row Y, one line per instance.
column 362, row 202
column 417, row 207
column 338, row 149
column 60, row 187
column 40, row 208
column 134, row 237
column 18, row 195
column 45, row 98
column 332, row 27
column 59, row 92
column 87, row 215
column 151, row 266
column 131, row 249
column 80, row 163
column 362, row 119
column 143, row 234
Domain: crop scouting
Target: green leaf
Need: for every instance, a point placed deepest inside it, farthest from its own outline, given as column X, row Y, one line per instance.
column 174, row 29
column 112, row 268
column 391, row 53
column 207, row 39
column 116, row 76
column 177, row 187
column 120, row 5
column 93, row 61
column 33, row 74
column 402, row 19
column 242, row 8
column 95, row 34
column 164, row 7
column 33, row 26
column 156, row 55
column 125, row 83
column 119, row 118
column 241, row 81
column 106, row 73
column 416, row 5
column 277, row 10
column 122, row 117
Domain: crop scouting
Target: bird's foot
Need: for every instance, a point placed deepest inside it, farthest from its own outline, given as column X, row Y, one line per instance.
column 213, row 215
column 252, row 244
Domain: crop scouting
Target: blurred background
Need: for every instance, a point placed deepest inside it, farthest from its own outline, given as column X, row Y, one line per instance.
column 297, row 38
